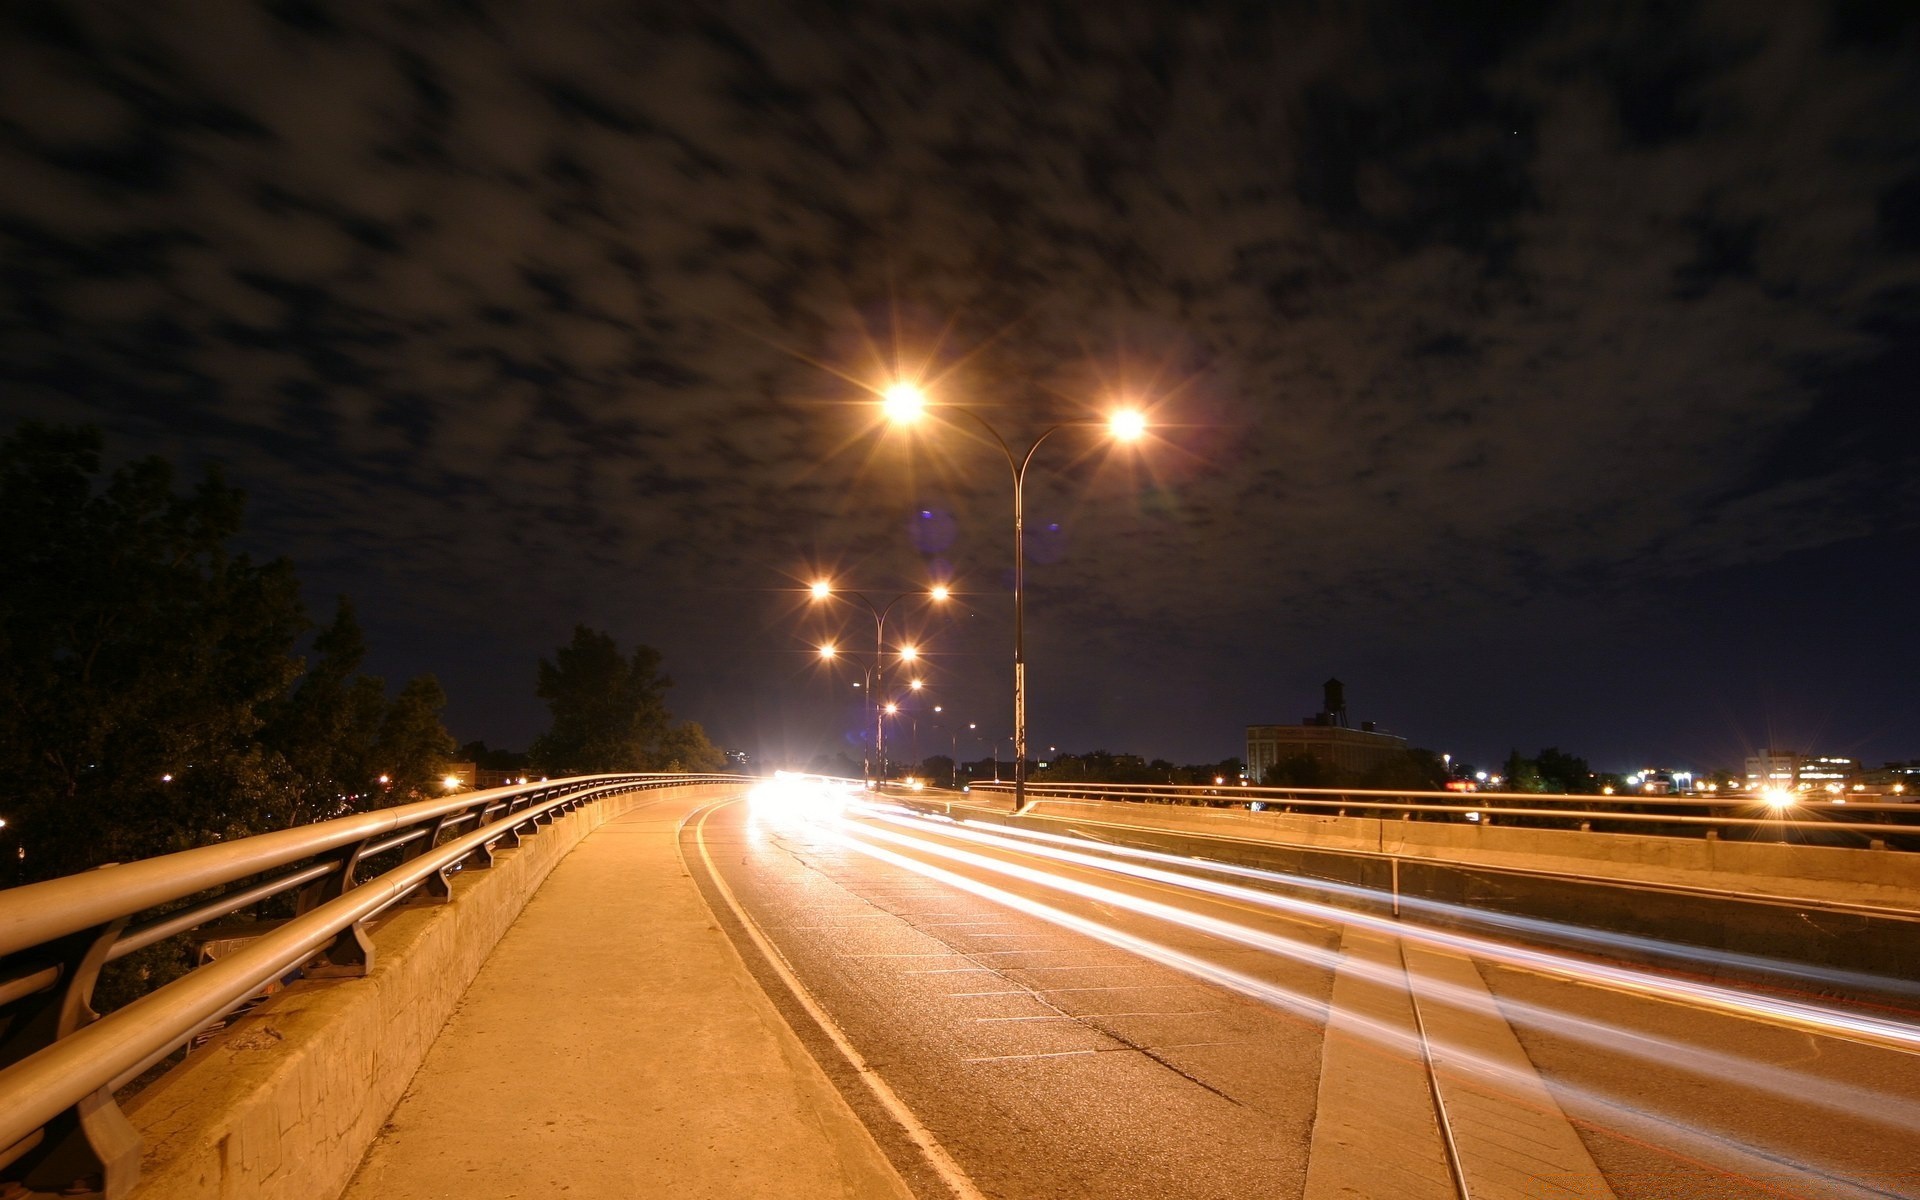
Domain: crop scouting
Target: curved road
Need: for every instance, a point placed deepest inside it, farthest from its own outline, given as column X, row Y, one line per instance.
column 1022, row 1017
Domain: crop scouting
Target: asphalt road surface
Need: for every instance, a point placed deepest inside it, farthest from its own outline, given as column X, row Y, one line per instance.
column 1022, row 1017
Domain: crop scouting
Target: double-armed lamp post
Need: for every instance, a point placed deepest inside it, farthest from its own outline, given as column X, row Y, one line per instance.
column 823, row 589
column 905, row 403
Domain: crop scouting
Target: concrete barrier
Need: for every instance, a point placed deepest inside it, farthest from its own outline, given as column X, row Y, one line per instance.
column 1876, row 877
column 283, row 1105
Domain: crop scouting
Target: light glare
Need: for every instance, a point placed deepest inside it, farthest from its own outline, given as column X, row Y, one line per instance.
column 903, row 402
column 1128, row 424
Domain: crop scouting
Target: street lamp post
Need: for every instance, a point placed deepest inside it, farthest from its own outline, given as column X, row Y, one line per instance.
column 904, row 403
column 823, row 589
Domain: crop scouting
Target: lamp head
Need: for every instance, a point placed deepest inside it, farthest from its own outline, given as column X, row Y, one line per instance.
column 917, row 684
column 1127, row 425
column 903, row 402
column 821, row 589
column 828, row 650
column 909, row 653
column 892, row 707
column 939, row 591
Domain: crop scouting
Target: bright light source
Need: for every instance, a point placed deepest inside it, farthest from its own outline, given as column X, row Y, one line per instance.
column 386, row 779
column 828, row 651
column 938, row 708
column 821, row 589
column 892, row 707
column 939, row 591
column 909, row 653
column 166, row 779
column 917, row 684
column 904, row 402
column 1128, row 424
column 1219, row 779
column 450, row 782
column 1775, row 797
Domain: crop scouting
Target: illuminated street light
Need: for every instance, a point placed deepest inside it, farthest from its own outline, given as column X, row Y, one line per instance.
column 904, row 403
column 917, row 684
column 822, row 589
column 1127, row 425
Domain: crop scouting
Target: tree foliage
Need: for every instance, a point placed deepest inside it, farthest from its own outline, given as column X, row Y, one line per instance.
column 610, row 713
column 151, row 696
column 137, row 657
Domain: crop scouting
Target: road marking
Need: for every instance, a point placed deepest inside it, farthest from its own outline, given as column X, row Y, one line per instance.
column 1511, row 1137
column 942, row 1163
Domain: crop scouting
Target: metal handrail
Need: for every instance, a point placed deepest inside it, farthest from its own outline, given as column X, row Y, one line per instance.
column 1451, row 802
column 89, row 1057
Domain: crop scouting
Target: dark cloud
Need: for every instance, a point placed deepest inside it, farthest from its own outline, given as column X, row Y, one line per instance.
column 1473, row 325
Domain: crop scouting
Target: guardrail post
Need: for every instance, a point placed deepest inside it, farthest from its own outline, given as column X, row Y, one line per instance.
column 437, row 888
column 92, row 1141
column 350, row 954
column 482, row 857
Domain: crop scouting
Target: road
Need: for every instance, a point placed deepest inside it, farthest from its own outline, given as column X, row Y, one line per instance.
column 1018, row 1017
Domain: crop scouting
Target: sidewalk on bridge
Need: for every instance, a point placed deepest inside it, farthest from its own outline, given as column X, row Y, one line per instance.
column 614, row 1045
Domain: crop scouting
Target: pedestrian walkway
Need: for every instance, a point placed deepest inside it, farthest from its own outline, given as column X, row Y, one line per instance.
column 615, row 1046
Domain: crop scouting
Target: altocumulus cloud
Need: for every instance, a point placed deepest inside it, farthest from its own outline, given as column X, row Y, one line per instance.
column 1427, row 297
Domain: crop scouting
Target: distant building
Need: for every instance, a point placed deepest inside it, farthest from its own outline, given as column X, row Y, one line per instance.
column 1325, row 736
column 1788, row 769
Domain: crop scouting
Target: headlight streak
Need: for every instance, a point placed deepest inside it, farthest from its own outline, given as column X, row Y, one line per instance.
column 1657, row 1132
column 1795, row 1014
column 1501, row 921
column 1712, row 1064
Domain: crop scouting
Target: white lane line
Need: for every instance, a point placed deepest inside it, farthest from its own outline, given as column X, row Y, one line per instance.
column 936, row 1155
column 1019, row 1057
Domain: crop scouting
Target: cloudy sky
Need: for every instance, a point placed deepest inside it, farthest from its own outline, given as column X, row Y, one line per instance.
column 1546, row 374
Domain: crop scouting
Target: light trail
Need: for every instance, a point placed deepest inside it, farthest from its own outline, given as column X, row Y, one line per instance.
column 1659, row 1131
column 1869, row 1030
column 1900, row 1115
column 1509, row 922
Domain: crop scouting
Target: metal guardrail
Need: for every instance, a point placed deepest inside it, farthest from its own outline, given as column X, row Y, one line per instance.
column 1490, row 807
column 60, row 1062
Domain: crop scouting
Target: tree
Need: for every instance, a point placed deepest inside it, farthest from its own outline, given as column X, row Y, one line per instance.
column 414, row 746
column 1412, row 770
column 938, row 770
column 328, row 728
column 1564, row 772
column 1300, row 770
column 1522, row 774
column 609, row 712
column 138, row 657
column 684, row 747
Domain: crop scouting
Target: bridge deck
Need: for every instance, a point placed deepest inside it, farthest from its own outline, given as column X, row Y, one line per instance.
column 614, row 1045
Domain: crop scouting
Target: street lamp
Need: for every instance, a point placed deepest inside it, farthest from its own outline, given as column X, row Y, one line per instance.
column 904, row 403
column 823, row 589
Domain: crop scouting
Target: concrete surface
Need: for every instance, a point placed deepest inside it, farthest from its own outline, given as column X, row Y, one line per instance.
column 615, row 1046
column 1880, row 877
column 283, row 1104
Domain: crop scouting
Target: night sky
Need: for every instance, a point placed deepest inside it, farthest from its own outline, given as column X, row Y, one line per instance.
column 1547, row 373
